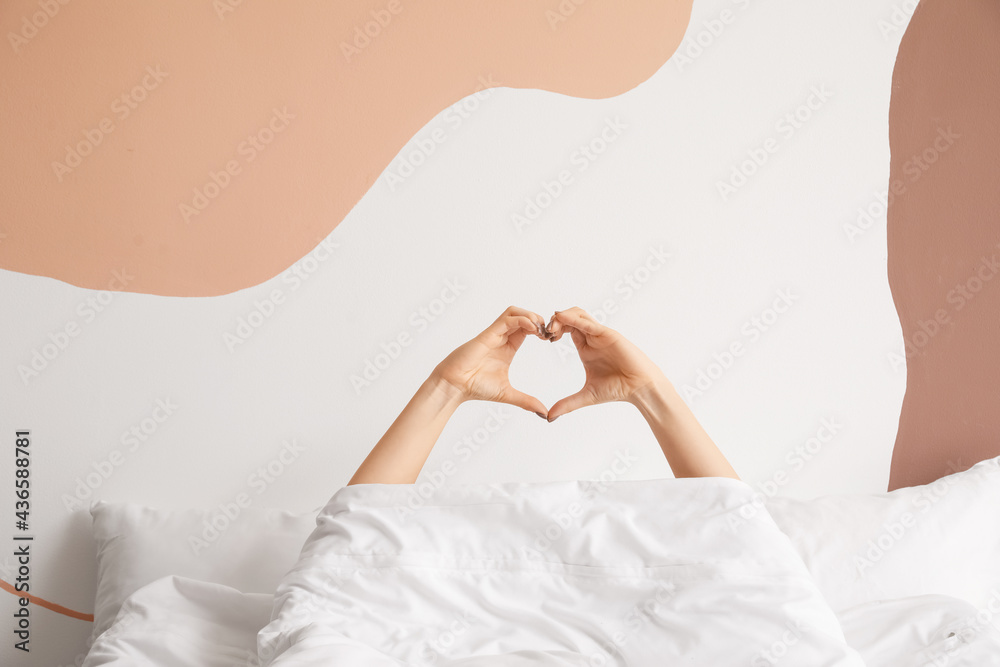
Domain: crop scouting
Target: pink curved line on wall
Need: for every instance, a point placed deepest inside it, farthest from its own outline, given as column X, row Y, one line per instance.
column 944, row 237
column 176, row 149
column 51, row 606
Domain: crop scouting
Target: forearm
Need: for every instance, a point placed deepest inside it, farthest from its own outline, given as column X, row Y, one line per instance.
column 688, row 448
column 401, row 452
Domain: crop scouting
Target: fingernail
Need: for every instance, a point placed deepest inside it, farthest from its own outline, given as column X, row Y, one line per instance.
column 541, row 415
column 554, row 418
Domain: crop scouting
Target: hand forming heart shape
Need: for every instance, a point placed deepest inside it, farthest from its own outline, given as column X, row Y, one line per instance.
column 478, row 370
column 615, row 368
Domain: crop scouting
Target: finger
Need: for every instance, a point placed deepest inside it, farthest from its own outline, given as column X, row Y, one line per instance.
column 525, row 401
column 580, row 399
column 533, row 316
column 520, row 326
column 510, row 330
column 559, row 329
column 555, row 329
column 579, row 338
column 552, row 328
column 578, row 318
column 515, row 317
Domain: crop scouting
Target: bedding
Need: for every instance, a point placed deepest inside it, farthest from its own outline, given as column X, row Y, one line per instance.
column 941, row 538
column 137, row 545
column 922, row 631
column 179, row 622
column 633, row 568
column 562, row 573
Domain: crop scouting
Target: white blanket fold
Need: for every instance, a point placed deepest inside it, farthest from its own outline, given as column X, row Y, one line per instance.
column 652, row 572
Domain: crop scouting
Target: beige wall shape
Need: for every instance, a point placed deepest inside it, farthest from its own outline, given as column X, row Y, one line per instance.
column 944, row 237
column 280, row 115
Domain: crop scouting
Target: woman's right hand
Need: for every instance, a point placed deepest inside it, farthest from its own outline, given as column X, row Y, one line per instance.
column 616, row 369
column 478, row 370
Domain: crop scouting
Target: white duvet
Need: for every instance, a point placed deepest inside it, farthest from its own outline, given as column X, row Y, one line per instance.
column 565, row 573
column 637, row 573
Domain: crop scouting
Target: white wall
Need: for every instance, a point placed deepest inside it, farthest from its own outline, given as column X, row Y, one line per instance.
column 655, row 186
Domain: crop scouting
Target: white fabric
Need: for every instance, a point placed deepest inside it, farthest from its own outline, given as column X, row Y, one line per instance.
column 941, row 538
column 567, row 573
column 137, row 545
column 180, row 622
column 922, row 631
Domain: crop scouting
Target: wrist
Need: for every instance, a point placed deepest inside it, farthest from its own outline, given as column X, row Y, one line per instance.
column 657, row 398
column 442, row 392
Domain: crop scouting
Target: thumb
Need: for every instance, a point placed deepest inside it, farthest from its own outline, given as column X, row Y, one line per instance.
column 580, row 399
column 525, row 401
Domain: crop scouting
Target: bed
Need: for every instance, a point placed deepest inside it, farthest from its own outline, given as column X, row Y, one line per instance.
column 647, row 572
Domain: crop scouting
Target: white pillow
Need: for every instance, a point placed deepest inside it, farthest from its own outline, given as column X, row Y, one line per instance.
column 941, row 538
column 176, row 621
column 137, row 545
column 921, row 631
